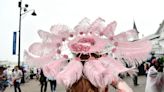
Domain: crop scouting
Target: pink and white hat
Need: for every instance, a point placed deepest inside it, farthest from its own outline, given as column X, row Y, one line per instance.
column 87, row 44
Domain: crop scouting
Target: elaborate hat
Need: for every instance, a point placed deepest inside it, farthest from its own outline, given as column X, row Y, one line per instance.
column 86, row 38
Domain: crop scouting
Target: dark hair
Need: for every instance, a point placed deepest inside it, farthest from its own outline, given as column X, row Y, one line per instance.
column 83, row 85
column 95, row 55
column 84, row 56
column 87, row 56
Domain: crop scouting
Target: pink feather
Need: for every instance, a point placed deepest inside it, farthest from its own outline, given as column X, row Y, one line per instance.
column 97, row 26
column 38, row 61
column 123, row 87
column 133, row 52
column 94, row 71
column 53, row 68
column 43, row 34
column 41, row 49
column 109, row 62
column 49, row 37
column 132, row 44
column 57, row 29
column 124, row 36
column 61, row 31
column 83, row 26
column 70, row 74
column 109, row 29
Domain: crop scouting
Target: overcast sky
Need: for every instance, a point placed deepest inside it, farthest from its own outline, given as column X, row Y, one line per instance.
column 147, row 14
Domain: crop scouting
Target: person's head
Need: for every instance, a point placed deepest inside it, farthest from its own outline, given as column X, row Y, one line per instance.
column 154, row 61
column 16, row 68
column 83, row 84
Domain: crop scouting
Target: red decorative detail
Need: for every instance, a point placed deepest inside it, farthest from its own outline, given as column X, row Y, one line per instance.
column 58, row 44
column 79, row 47
column 65, row 56
column 81, row 33
column 116, row 43
column 71, row 35
column 87, row 40
column 59, row 51
column 63, row 39
column 111, row 38
column 101, row 34
column 114, row 49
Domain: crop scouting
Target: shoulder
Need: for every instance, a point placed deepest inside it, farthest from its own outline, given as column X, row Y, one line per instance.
column 19, row 71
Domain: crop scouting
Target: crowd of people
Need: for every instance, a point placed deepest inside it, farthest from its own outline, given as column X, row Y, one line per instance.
column 158, row 63
column 14, row 77
column 11, row 77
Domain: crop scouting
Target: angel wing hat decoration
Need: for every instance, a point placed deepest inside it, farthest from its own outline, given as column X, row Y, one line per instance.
column 90, row 52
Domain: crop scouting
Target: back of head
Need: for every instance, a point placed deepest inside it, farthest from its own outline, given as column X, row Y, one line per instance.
column 83, row 85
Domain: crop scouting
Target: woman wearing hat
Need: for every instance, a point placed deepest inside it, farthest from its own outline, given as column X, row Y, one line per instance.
column 89, row 70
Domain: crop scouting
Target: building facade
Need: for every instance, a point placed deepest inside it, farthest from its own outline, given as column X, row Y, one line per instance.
column 157, row 40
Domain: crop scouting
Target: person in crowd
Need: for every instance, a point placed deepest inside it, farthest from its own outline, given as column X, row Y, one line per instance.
column 35, row 72
column 153, row 61
column 16, row 77
column 38, row 73
column 23, row 74
column 155, row 81
column 31, row 73
column 146, row 67
column 134, row 76
column 52, row 84
column 158, row 66
column 7, row 75
column 161, row 65
column 3, row 80
column 135, row 80
column 43, row 81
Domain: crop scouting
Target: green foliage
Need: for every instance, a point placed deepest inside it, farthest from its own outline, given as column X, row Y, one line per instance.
column 161, row 59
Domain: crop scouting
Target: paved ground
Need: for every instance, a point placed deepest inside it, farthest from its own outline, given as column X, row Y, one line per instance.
column 33, row 86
